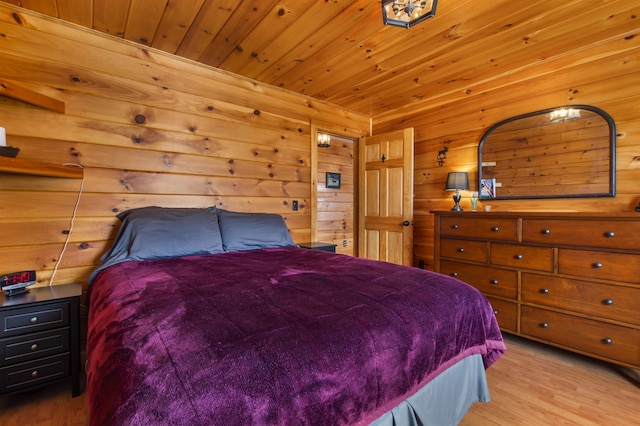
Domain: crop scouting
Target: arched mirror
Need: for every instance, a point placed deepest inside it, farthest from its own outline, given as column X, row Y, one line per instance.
column 552, row 153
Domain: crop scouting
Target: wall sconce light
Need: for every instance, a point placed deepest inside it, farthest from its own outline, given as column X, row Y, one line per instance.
column 324, row 140
column 455, row 182
column 407, row 13
column 442, row 155
column 564, row 114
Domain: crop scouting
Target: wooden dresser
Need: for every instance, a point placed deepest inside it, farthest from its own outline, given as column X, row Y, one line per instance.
column 571, row 280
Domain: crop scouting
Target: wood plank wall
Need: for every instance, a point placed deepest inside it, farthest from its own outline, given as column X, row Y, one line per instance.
column 149, row 129
column 603, row 72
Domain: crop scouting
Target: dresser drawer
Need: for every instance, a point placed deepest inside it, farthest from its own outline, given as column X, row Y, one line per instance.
column 602, row 265
column 34, row 318
column 490, row 281
column 519, row 256
column 582, row 334
column 34, row 345
column 601, row 300
column 465, row 250
column 27, row 374
column 593, row 233
column 502, row 229
column 506, row 313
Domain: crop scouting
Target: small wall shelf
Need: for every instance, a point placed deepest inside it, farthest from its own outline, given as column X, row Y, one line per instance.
column 39, row 168
column 16, row 91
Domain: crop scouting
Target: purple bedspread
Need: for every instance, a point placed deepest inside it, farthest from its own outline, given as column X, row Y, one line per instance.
column 284, row 336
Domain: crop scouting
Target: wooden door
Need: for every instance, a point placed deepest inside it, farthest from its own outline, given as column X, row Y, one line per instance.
column 386, row 197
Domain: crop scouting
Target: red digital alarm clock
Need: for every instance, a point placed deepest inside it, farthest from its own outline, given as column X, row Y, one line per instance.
column 16, row 282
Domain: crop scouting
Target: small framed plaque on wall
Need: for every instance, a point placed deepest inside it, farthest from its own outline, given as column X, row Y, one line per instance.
column 333, row 180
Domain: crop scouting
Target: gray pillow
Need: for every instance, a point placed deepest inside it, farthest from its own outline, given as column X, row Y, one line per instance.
column 249, row 231
column 158, row 232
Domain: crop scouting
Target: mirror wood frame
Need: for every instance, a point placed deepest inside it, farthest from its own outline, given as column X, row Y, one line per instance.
column 524, row 164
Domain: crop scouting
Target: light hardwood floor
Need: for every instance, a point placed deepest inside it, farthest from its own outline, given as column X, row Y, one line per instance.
column 532, row 384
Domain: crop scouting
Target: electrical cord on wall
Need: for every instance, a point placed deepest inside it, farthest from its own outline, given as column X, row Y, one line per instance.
column 73, row 217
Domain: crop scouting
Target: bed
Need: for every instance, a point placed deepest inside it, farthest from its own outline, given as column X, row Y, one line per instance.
column 206, row 317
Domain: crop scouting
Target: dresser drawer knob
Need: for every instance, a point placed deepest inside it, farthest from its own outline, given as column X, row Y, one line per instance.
column 34, row 347
column 546, row 231
column 454, row 274
column 544, row 325
column 33, row 320
column 495, row 312
column 544, row 290
column 610, row 234
column 494, row 282
column 607, row 302
column 454, row 226
column 597, row 265
column 607, row 341
column 460, row 250
column 517, row 256
column 34, row 373
column 495, row 229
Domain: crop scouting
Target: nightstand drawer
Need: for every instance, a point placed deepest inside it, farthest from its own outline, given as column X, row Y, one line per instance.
column 27, row 374
column 489, row 228
column 27, row 320
column 492, row 281
column 464, row 250
column 518, row 256
column 34, row 345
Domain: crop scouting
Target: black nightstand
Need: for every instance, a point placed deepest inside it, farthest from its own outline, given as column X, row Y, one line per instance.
column 40, row 338
column 319, row 246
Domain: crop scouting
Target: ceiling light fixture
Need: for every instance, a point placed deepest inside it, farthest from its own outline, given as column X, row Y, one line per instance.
column 407, row 13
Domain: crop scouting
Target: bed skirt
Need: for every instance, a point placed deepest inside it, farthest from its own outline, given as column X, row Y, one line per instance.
column 445, row 400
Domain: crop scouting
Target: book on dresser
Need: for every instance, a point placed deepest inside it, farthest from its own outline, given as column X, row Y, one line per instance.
column 571, row 280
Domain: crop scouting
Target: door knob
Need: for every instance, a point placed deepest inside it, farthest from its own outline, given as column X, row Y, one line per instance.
column 406, row 223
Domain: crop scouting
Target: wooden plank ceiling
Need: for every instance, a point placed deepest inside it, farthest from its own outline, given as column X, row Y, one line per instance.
column 339, row 50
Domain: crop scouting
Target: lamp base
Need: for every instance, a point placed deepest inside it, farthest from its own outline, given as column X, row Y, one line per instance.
column 456, row 199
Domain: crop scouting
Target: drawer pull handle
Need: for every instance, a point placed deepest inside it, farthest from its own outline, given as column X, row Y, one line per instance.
column 454, row 226
column 607, row 302
column 610, row 234
column 544, row 290
column 33, row 320
column 544, row 325
column 34, row 373
column 34, row 346
column 517, row 256
column 546, row 231
column 460, row 250
column 607, row 341
column 454, row 274
column 494, row 282
column 495, row 229
column 597, row 265
column 495, row 312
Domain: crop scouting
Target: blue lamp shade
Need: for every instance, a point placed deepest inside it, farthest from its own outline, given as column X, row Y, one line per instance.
column 455, row 182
